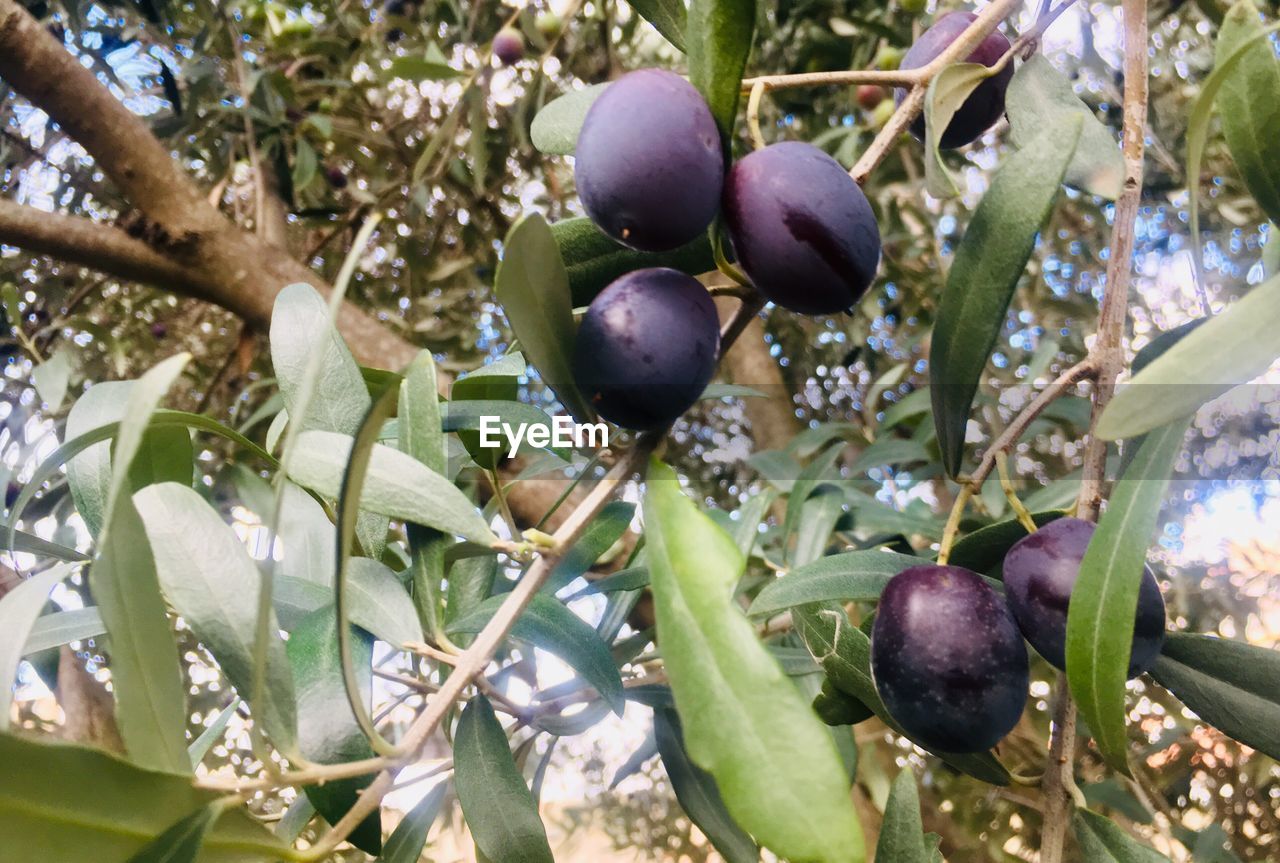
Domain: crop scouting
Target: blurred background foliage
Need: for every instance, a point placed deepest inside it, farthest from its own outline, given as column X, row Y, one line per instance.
column 352, row 106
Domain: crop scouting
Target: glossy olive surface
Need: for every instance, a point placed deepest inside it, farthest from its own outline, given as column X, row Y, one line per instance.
column 948, row 660
column 647, row 348
column 649, row 164
column 986, row 103
column 1040, row 572
column 802, row 229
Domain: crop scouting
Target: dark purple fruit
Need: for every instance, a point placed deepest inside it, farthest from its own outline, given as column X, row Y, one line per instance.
column 869, row 95
column 648, row 164
column 159, row 330
column 986, row 103
column 647, row 348
column 335, row 177
column 1039, row 574
column 948, row 660
column 508, row 46
column 802, row 229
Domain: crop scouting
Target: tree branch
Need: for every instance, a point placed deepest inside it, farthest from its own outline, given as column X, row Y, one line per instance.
column 98, row 246
column 1108, row 356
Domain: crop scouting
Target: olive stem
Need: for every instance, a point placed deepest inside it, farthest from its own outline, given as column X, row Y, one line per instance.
column 1019, row 510
column 902, row 78
column 953, row 524
column 753, row 116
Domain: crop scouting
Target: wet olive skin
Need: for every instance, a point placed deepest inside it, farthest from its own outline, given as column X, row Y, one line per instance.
column 648, row 164
column 986, row 103
column 802, row 229
column 647, row 348
column 948, row 660
column 1040, row 571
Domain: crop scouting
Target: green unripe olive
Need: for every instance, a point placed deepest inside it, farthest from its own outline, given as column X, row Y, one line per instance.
column 887, row 58
column 913, row 7
column 549, row 24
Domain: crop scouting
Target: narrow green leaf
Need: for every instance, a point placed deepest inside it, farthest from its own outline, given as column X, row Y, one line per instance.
column 327, row 731
column 146, row 669
column 89, row 472
column 555, row 128
column 397, row 485
column 643, row 754
column 1251, row 125
column 718, row 41
column 854, row 576
column 697, row 793
column 1229, row 349
column 212, row 733
column 990, row 260
column 818, row 517
column 470, row 583
column 902, row 833
column 300, row 324
column 406, row 842
column 634, row 578
column 58, row 800
column 593, row 259
column 548, row 624
column 377, row 598
column 533, row 288
column 1038, row 95
column 305, row 164
column 421, row 435
column 604, row 530
column 498, row 806
column 181, row 843
column 52, row 376
column 61, row 627
column 422, row 69
column 815, row 472
column 844, row 652
column 1105, row 597
column 1103, row 842
column 744, row 721
column 1231, row 685
column 982, row 550
column 208, row 576
column 668, row 17
column 29, row 543
column 947, row 92
column 1198, row 124
column 19, row 609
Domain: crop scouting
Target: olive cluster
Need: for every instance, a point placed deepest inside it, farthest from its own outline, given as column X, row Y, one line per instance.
column 947, row 652
column 651, row 173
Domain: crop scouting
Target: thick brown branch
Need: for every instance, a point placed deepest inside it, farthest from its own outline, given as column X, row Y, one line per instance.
column 101, row 247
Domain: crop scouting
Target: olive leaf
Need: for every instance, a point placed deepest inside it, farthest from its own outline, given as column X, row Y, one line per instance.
column 719, row 34
column 495, row 801
column 947, row 93
column 854, row 576
column 1037, row 96
column 902, row 832
column 594, row 259
column 533, row 288
column 1229, row 349
column 989, row 262
column 1104, row 600
column 1229, row 684
column 744, row 721
column 1104, row 842
column 1251, row 125
column 668, row 17
column 555, row 128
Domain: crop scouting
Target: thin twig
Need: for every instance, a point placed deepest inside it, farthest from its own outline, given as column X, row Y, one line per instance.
column 1018, row 426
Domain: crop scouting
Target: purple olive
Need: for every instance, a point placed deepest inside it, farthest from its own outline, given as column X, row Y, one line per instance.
column 948, row 660
column 508, row 46
column 986, row 103
column 1040, row 571
column 647, row 348
column 648, row 164
column 802, row 229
